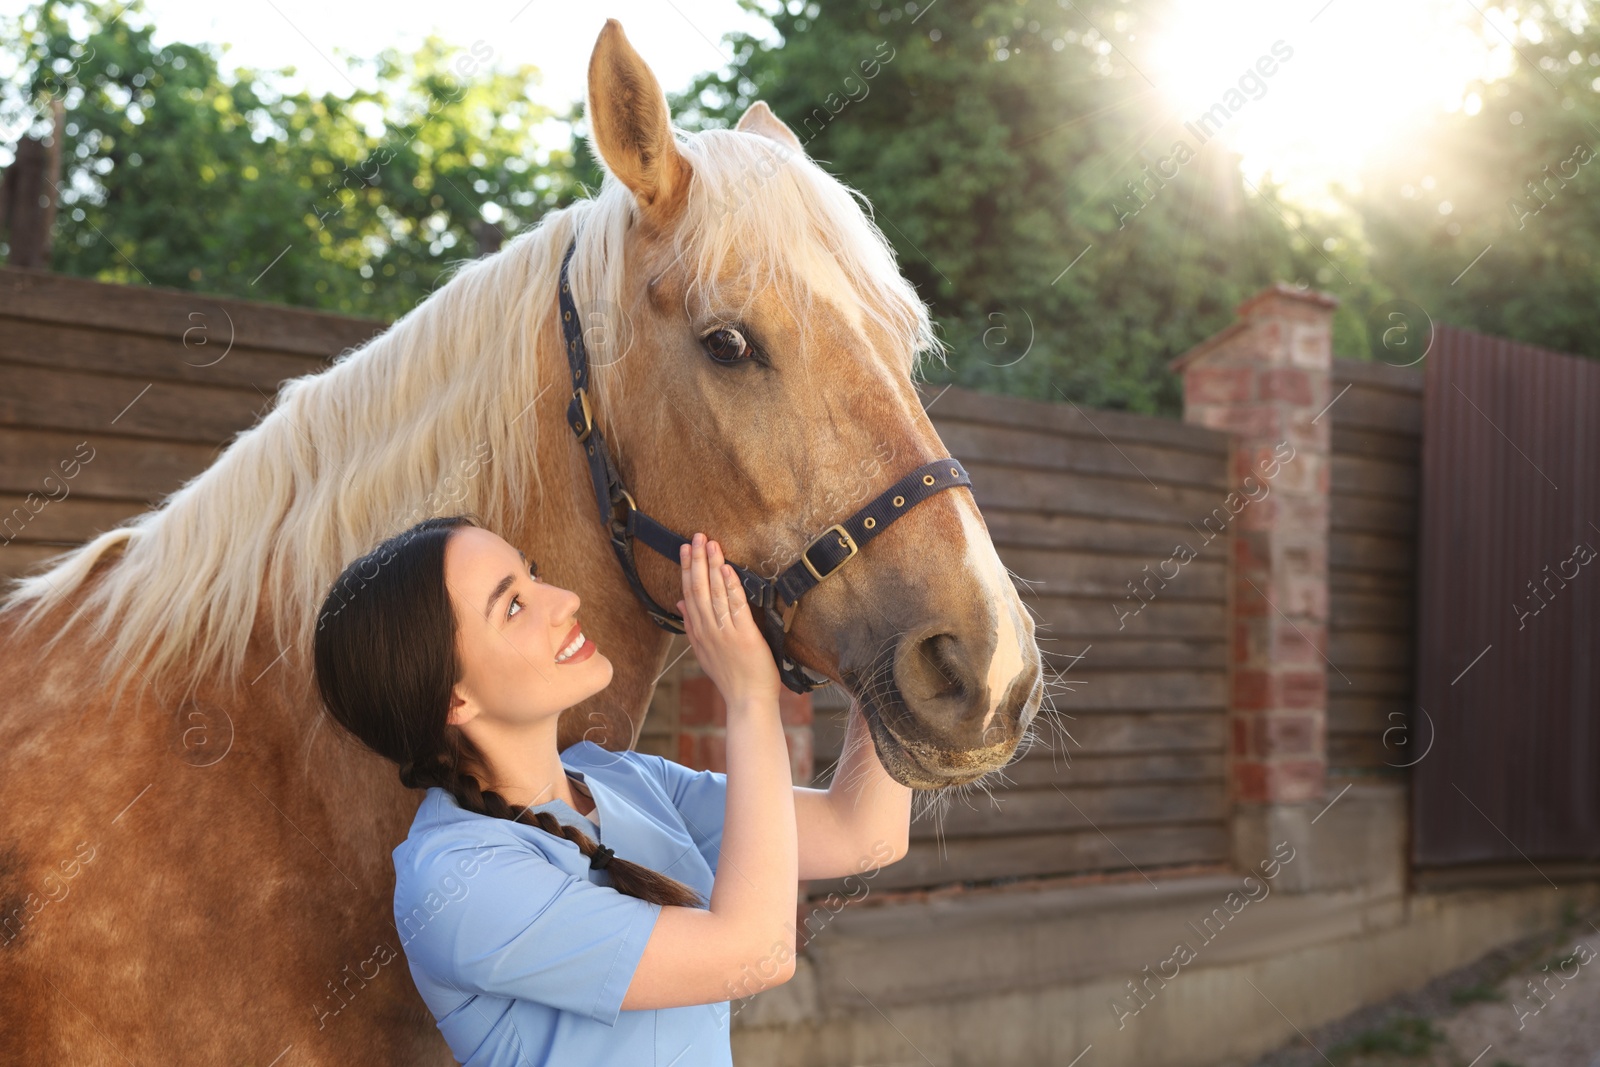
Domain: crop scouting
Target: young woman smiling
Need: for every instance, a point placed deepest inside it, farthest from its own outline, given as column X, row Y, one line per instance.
column 585, row 906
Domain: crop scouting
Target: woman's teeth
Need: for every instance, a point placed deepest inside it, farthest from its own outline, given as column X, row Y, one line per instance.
column 567, row 652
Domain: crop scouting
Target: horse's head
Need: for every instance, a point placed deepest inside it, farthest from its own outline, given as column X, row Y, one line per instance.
column 761, row 347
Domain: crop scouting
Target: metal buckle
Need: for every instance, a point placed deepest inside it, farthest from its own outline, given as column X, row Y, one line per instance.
column 619, row 530
column 848, row 541
column 666, row 622
column 588, row 417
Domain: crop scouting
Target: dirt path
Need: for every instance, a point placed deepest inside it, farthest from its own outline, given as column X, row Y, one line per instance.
column 1483, row 1015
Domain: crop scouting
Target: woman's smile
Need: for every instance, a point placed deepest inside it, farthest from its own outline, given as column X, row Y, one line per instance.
column 577, row 648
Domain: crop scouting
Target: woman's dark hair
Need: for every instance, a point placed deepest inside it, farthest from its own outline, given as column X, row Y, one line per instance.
column 386, row 662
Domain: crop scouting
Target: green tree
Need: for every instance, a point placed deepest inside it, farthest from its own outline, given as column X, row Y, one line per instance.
column 1488, row 219
column 997, row 142
column 177, row 175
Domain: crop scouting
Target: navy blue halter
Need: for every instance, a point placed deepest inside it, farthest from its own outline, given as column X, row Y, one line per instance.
column 826, row 553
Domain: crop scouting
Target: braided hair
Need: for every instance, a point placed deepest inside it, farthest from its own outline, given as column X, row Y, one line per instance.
column 386, row 663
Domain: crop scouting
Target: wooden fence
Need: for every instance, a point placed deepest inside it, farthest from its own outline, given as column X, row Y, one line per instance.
column 1372, row 553
column 134, row 390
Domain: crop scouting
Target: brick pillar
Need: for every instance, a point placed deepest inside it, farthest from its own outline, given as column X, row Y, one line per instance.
column 1266, row 381
column 703, row 725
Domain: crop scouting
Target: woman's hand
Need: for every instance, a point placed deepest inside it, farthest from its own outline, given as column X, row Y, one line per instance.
column 717, row 620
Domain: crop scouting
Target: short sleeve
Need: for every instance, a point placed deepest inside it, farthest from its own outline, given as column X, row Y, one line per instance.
column 701, row 797
column 513, row 924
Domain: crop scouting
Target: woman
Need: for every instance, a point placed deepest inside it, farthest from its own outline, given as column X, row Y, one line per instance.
column 562, row 909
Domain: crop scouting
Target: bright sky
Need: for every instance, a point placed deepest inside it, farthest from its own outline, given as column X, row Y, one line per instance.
column 1361, row 71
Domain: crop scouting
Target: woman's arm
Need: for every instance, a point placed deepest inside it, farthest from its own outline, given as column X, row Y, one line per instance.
column 745, row 942
column 862, row 821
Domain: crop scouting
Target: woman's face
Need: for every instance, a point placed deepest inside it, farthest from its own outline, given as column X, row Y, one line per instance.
column 510, row 629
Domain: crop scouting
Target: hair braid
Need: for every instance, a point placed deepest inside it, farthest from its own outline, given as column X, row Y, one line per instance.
column 627, row 877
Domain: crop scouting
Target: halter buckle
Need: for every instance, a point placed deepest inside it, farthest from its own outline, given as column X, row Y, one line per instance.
column 580, row 405
column 619, row 530
column 666, row 622
column 848, row 542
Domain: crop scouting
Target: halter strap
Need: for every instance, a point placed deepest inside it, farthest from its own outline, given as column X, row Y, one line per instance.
column 819, row 560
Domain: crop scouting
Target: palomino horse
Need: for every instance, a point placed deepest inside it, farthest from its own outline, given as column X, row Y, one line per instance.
column 202, row 874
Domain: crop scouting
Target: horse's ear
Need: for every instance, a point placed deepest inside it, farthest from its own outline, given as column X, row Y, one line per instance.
column 758, row 118
column 630, row 126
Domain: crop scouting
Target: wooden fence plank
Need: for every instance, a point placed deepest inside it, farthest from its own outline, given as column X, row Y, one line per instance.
column 119, row 468
column 1087, row 574
column 1012, row 529
column 1024, row 447
column 68, row 520
column 1369, row 477
column 1070, row 806
column 1077, row 494
column 201, row 358
column 1088, row 619
column 79, row 401
column 982, row 859
column 59, row 298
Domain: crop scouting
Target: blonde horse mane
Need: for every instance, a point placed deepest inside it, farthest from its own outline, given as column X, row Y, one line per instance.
column 395, row 430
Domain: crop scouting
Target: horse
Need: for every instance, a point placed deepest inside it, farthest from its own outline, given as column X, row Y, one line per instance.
column 198, row 870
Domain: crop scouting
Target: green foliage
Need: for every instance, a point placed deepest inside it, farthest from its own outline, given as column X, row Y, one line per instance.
column 1514, row 183
column 997, row 142
column 1405, row 1035
column 1471, row 993
column 1020, row 162
column 177, row 175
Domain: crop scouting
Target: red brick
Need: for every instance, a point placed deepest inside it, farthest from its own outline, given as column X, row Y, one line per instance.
column 703, row 750
column 1262, row 514
column 1299, row 642
column 1250, row 781
column 1289, row 735
column 794, row 709
column 1246, row 420
column 701, row 704
column 1217, row 385
column 1252, row 642
column 1287, row 384
column 1250, row 597
column 713, row 746
column 1304, row 689
column 1252, row 690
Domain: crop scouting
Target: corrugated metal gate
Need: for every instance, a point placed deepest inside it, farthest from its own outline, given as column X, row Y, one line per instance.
column 1508, row 650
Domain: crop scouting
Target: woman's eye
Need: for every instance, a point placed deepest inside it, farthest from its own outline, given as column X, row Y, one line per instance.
column 533, row 572
column 727, row 345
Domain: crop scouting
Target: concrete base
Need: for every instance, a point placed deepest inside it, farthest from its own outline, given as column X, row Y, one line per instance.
column 1157, row 972
column 1356, row 837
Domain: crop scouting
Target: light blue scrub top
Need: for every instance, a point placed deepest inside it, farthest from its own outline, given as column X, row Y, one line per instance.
column 524, row 954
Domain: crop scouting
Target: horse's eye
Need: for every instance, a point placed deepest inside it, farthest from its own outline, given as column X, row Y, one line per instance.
column 727, row 345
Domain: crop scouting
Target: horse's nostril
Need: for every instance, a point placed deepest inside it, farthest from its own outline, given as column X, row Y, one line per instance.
column 943, row 655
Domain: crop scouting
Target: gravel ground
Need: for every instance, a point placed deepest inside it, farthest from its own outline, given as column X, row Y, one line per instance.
column 1469, row 1016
